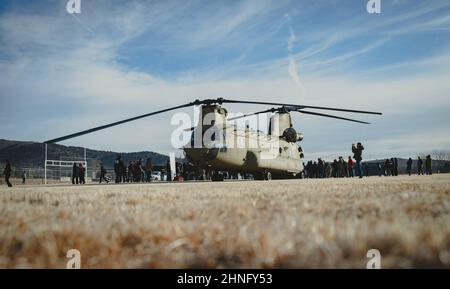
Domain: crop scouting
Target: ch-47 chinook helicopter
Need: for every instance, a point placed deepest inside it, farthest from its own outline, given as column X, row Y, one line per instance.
column 275, row 154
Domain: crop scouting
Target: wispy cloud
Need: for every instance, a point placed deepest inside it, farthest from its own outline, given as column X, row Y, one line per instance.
column 134, row 57
column 292, row 68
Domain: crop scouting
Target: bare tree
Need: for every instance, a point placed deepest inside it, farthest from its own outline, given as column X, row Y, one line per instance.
column 442, row 155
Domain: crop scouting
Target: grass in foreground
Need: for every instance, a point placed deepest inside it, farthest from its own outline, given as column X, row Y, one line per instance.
column 277, row 224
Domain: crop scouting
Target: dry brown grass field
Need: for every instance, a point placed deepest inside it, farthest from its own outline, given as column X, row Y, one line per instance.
column 278, row 224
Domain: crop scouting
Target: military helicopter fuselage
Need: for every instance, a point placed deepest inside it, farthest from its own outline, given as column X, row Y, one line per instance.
column 226, row 147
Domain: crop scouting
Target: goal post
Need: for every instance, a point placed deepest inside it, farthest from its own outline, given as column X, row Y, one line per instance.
column 61, row 170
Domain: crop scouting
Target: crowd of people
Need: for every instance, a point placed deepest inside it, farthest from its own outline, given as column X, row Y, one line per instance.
column 340, row 168
column 428, row 166
column 135, row 172
column 78, row 174
column 140, row 171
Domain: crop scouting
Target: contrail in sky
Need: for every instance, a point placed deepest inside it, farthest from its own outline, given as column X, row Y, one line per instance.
column 292, row 67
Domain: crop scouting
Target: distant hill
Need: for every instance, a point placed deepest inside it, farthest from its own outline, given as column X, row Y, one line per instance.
column 26, row 154
column 437, row 166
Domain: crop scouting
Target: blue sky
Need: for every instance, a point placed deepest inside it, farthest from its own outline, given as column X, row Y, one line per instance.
column 62, row 73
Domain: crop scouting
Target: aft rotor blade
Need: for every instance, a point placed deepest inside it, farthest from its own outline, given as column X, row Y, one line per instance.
column 298, row 106
column 249, row 114
column 331, row 116
column 69, row 136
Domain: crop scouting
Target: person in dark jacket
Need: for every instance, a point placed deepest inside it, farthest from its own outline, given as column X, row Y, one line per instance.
column 75, row 174
column 395, row 167
column 335, row 168
column 103, row 173
column 149, row 169
column 428, row 170
column 122, row 171
column 419, row 166
column 130, row 172
column 392, row 173
column 341, row 167
column 387, row 167
column 357, row 155
column 409, row 166
column 7, row 173
column 169, row 171
column 82, row 173
column 366, row 169
column 117, row 171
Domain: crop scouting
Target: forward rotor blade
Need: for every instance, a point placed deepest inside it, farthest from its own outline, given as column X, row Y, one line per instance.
column 299, row 106
column 331, row 116
column 114, row 124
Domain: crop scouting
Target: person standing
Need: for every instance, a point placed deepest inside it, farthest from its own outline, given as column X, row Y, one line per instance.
column 75, row 173
column 149, row 169
column 24, row 177
column 130, row 172
column 350, row 167
column 409, row 166
column 357, row 155
column 392, row 167
column 135, row 169
column 327, row 170
column 320, row 167
column 7, row 173
column 428, row 165
column 366, row 169
column 103, row 173
column 82, row 172
column 395, row 166
column 169, row 171
column 122, row 171
column 315, row 170
column 141, row 171
column 419, row 166
column 334, row 168
column 387, row 167
column 341, row 167
column 117, row 171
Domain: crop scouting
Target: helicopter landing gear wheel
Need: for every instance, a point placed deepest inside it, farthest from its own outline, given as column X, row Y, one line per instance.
column 217, row 177
column 260, row 176
column 302, row 175
column 265, row 176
